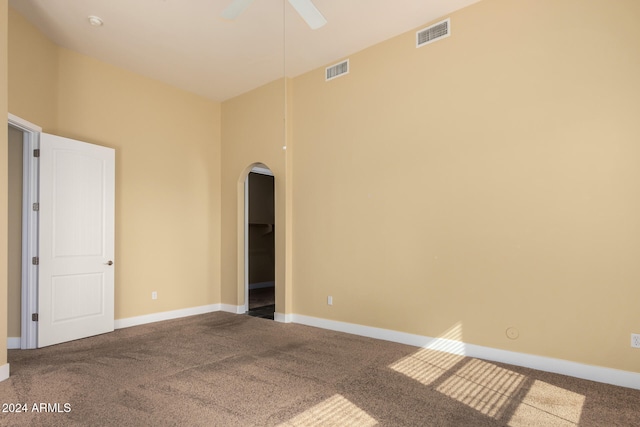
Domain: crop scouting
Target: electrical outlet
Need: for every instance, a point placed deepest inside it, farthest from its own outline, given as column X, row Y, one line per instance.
column 635, row 340
column 154, row 295
column 329, row 300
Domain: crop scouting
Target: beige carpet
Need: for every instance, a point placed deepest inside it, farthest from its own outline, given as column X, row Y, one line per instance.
column 222, row 369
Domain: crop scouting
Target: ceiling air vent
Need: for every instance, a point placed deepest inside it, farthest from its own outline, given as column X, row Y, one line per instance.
column 435, row 32
column 337, row 70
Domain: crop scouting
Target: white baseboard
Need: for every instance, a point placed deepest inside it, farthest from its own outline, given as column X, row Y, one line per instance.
column 165, row 315
column 235, row 309
column 13, row 343
column 282, row 318
column 4, row 372
column 548, row 364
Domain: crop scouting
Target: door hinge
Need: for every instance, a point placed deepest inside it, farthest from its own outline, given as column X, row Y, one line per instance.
column 36, row 152
column 35, row 260
column 34, row 317
column 36, row 206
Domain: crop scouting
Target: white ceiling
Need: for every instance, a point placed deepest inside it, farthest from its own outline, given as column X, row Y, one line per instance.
column 186, row 43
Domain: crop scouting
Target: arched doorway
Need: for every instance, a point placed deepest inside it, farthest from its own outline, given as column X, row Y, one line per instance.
column 260, row 243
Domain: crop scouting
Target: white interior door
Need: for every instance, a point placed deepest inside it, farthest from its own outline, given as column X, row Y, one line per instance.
column 76, row 240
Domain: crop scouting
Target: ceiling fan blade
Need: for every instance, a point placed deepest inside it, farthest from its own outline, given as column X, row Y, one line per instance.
column 235, row 9
column 309, row 13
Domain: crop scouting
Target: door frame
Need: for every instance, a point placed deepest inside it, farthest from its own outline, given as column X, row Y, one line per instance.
column 29, row 295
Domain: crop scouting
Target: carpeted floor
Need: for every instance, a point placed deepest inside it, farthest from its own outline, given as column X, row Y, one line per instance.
column 222, row 369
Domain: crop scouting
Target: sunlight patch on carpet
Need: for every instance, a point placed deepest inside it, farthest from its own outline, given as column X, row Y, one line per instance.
column 430, row 363
column 483, row 386
column 494, row 391
column 426, row 366
column 548, row 405
column 335, row 411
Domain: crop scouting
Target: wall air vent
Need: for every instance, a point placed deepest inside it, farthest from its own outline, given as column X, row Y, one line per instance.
column 435, row 32
column 337, row 70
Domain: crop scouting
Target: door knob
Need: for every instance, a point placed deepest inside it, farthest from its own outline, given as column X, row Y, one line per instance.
column 109, row 262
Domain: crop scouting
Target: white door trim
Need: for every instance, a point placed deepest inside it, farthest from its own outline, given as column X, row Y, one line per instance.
column 29, row 305
column 246, row 243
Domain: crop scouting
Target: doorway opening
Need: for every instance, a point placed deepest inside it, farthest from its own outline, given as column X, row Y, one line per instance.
column 14, row 236
column 23, row 232
column 260, row 243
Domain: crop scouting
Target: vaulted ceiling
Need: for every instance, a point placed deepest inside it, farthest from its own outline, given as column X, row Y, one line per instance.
column 186, row 43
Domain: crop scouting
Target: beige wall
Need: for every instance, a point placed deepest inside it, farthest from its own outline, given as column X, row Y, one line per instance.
column 33, row 74
column 253, row 131
column 167, row 145
column 167, row 181
column 3, row 182
column 485, row 181
column 14, row 266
